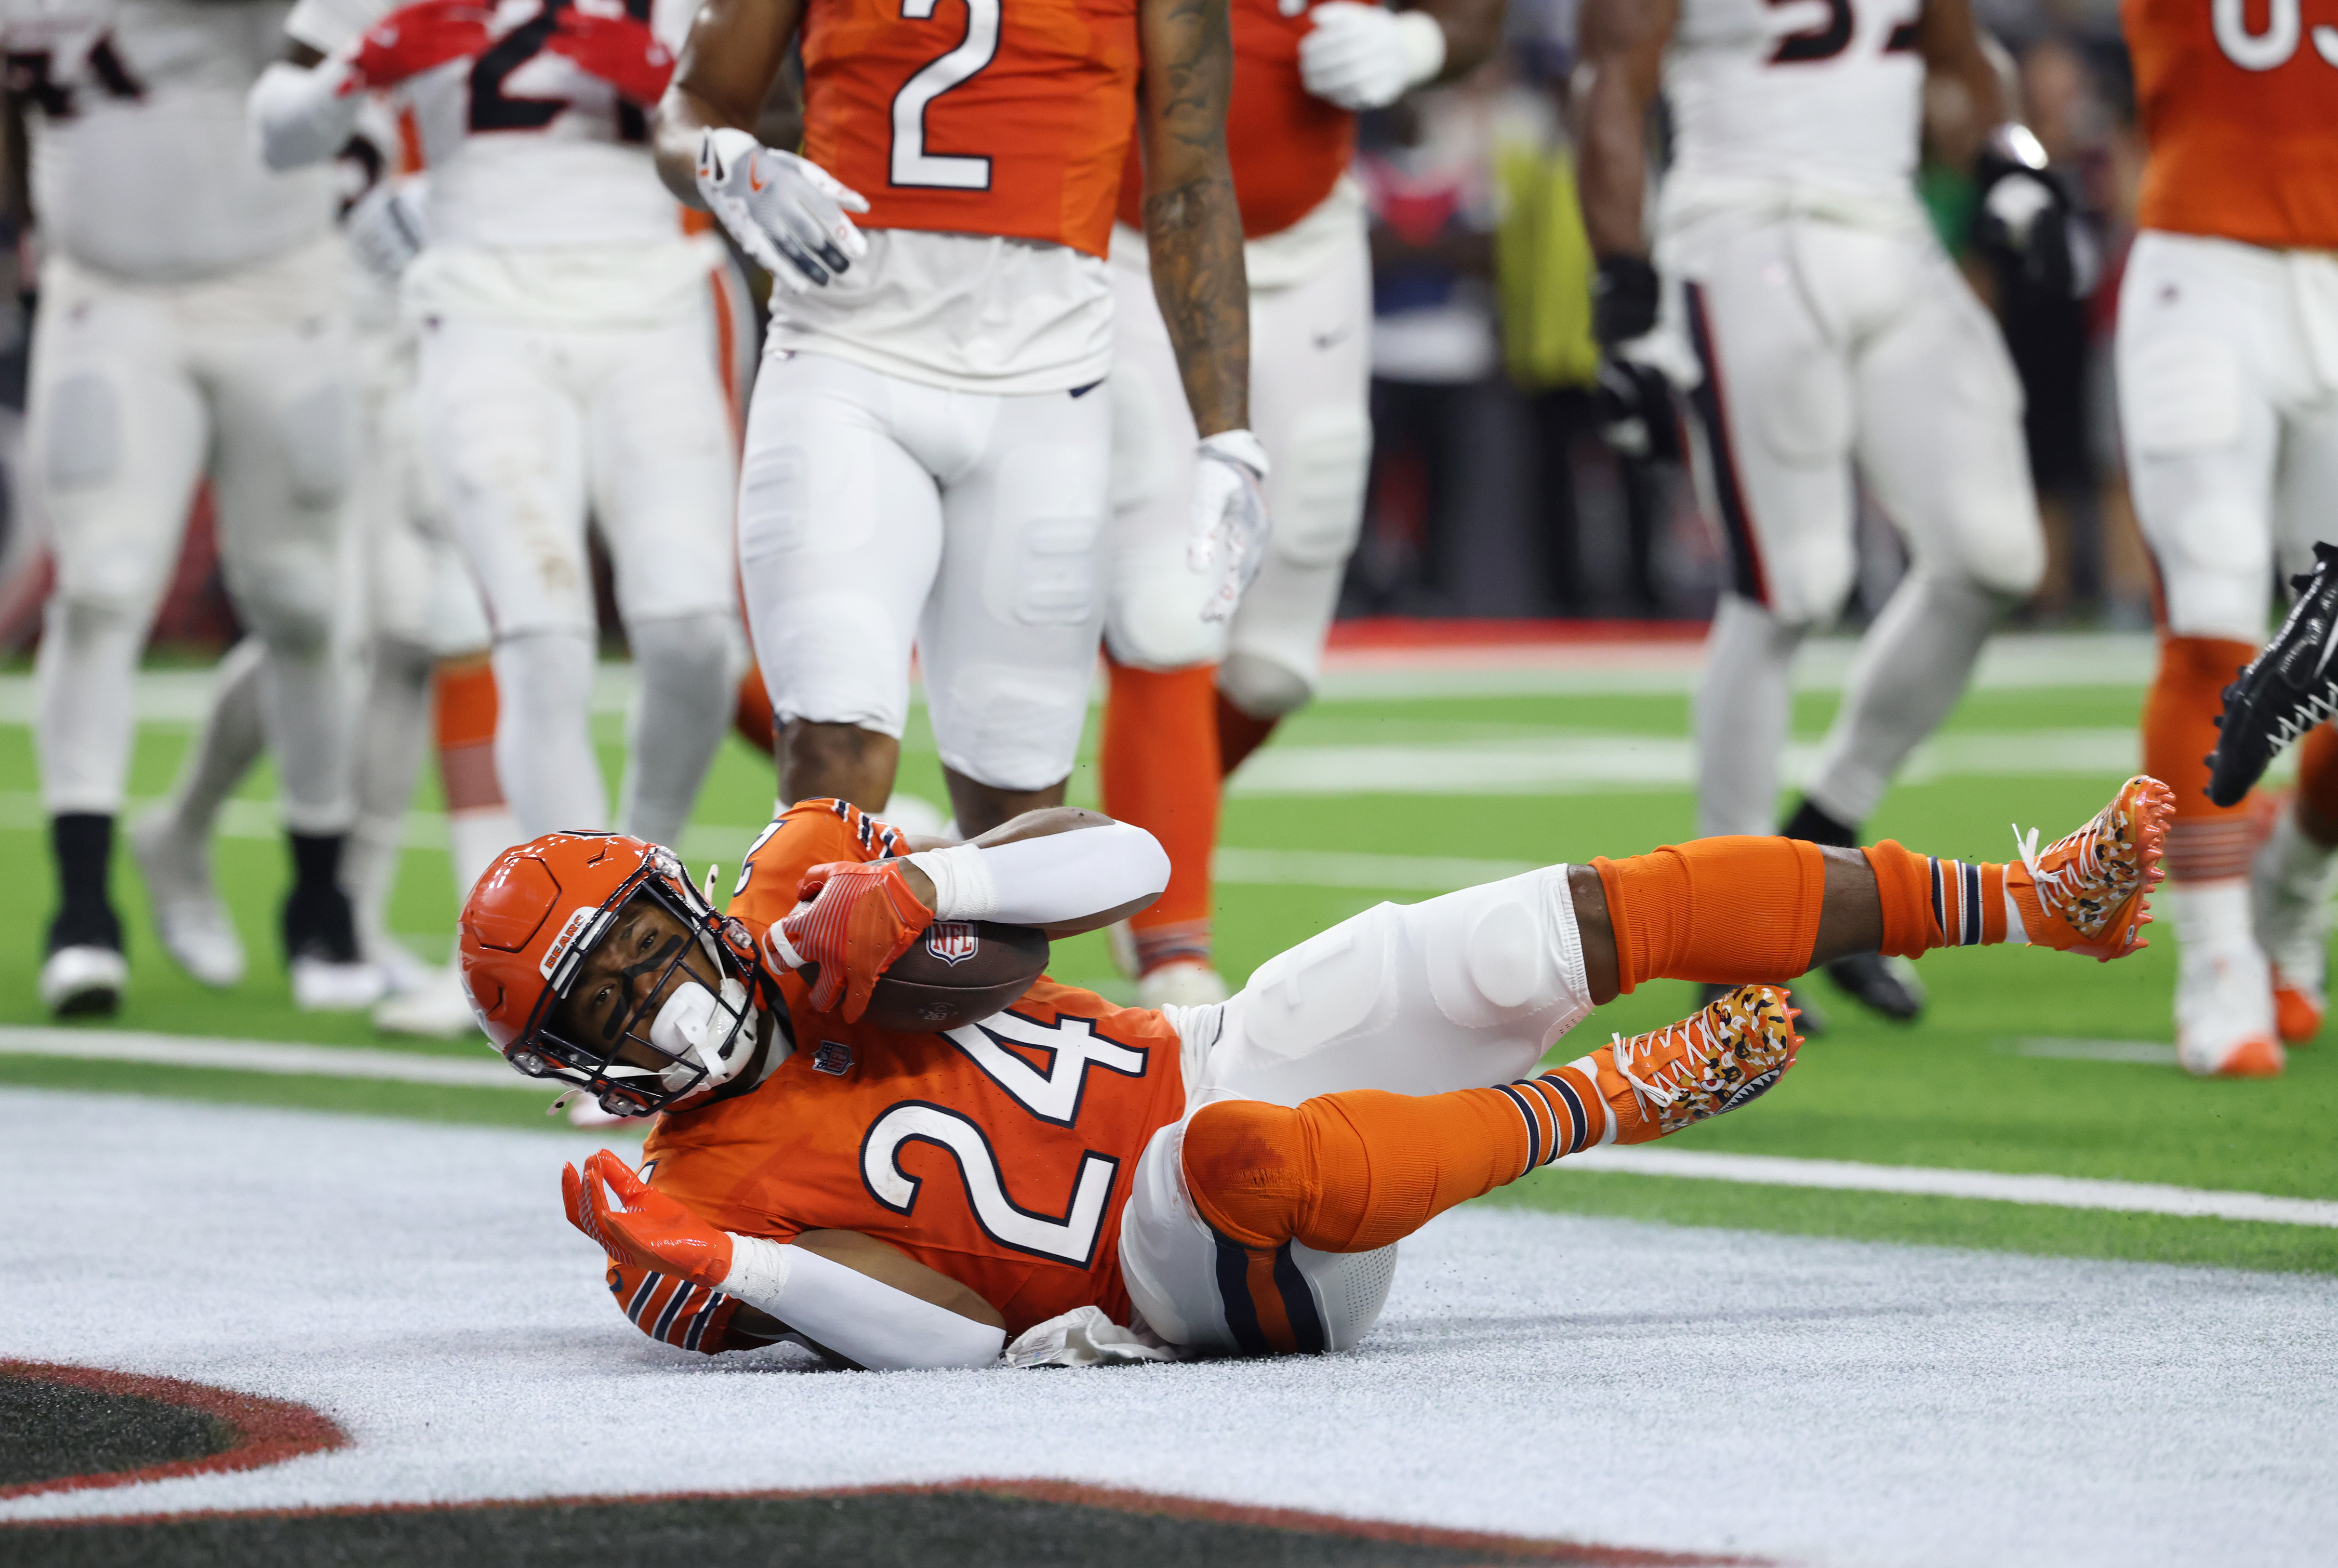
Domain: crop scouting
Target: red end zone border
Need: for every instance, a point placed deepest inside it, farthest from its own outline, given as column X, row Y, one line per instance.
column 1496, row 1548
column 267, row 1431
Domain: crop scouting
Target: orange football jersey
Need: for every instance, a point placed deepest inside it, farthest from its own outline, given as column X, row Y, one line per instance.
column 2239, row 103
column 965, row 116
column 1000, row 1154
column 1288, row 147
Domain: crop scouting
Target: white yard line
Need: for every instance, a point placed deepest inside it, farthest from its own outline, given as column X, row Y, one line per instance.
column 2144, row 1053
column 1762, row 1169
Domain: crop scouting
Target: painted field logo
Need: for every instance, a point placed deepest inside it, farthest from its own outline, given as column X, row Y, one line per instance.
column 952, row 941
column 832, row 1057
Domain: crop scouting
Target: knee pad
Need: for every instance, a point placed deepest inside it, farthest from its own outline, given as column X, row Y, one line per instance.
column 1262, row 688
column 1501, row 950
column 1318, row 493
column 287, row 596
column 84, row 432
column 1158, row 625
column 1247, row 1168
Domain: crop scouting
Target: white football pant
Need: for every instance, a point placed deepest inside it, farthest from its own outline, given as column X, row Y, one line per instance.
column 2227, row 361
column 526, row 430
column 1460, row 991
column 875, row 513
column 136, row 392
column 1310, row 404
column 1821, row 346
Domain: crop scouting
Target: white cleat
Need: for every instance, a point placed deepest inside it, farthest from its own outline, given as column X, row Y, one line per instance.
column 2224, row 986
column 2289, row 893
column 322, row 986
column 83, row 982
column 435, row 1006
column 1186, row 984
column 194, row 926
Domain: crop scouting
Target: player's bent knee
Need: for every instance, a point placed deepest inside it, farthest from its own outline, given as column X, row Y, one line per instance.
column 1245, row 1166
column 316, row 430
column 1321, row 502
column 1262, row 688
column 1161, row 629
column 686, row 648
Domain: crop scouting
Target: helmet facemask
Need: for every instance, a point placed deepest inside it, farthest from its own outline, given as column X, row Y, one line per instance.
column 670, row 1038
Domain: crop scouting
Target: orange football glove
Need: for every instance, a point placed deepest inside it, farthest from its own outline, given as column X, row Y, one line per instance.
column 862, row 917
column 652, row 1231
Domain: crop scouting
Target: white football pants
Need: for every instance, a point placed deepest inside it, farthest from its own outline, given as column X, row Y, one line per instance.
column 2227, row 361
column 875, row 513
column 527, row 429
column 1457, row 993
column 1310, row 404
column 136, row 391
column 1818, row 346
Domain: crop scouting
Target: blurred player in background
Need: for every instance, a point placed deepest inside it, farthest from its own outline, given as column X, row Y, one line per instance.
column 1193, row 690
column 2227, row 357
column 192, row 320
column 927, row 450
column 415, row 608
column 570, row 362
column 1816, row 321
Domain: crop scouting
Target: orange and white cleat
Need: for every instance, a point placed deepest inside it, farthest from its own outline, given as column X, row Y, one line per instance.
column 1727, row 1053
column 2090, row 892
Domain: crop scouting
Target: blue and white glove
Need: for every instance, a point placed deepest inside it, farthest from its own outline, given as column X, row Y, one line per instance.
column 787, row 214
column 1363, row 56
column 1229, row 526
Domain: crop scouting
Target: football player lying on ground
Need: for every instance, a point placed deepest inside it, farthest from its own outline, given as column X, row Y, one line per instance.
column 1066, row 1181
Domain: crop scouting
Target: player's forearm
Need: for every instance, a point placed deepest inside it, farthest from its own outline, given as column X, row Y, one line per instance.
column 302, row 115
column 1473, row 31
column 1192, row 223
column 721, row 80
column 845, row 1310
column 1951, row 44
column 1622, row 44
column 1063, row 882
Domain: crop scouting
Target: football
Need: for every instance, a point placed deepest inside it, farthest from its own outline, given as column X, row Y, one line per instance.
column 956, row 972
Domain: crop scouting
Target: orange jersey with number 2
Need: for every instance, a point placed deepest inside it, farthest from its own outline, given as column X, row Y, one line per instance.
column 972, row 116
column 999, row 1154
column 2240, row 105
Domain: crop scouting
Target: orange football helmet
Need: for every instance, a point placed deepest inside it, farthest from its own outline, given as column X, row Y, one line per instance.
column 537, row 915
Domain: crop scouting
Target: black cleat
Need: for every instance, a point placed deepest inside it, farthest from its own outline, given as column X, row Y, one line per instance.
column 1881, row 984
column 2287, row 689
column 1810, row 1021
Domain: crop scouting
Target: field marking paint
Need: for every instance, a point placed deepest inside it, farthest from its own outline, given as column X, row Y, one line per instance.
column 1324, row 868
column 2142, row 1052
column 263, row 1056
column 1759, row 1169
column 2051, row 1192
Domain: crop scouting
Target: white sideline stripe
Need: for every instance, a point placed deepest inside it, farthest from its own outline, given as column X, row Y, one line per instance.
column 2052, row 1192
column 262, row 1056
column 1762, row 1169
column 1322, row 869
column 2146, row 1052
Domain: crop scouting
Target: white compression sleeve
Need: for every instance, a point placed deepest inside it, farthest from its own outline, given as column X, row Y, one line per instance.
column 302, row 115
column 1043, row 881
column 862, row 1320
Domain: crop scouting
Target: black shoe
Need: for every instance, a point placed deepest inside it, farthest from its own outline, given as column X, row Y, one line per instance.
column 1880, row 985
column 1809, row 1019
column 2287, row 690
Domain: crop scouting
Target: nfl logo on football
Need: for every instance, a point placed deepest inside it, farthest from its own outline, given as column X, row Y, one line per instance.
column 952, row 941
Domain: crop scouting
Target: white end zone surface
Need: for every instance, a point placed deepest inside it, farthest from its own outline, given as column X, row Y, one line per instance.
column 1819, row 1401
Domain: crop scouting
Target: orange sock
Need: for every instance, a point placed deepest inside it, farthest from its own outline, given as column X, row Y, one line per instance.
column 467, row 733
column 1160, row 757
column 1930, row 902
column 1728, row 911
column 1357, row 1170
column 2206, row 842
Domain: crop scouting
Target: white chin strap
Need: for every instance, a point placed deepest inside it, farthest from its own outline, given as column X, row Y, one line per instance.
column 696, row 1026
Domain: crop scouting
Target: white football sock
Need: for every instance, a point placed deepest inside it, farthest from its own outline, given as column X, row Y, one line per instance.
column 1743, row 705
column 392, row 737
column 225, row 748
column 1910, row 671
column 543, row 733
column 474, row 839
column 304, row 703
column 689, row 667
column 83, row 683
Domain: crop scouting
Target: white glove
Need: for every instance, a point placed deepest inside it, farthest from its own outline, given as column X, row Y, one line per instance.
column 1085, row 1337
column 389, row 225
column 1363, row 56
column 1230, row 527
column 779, row 206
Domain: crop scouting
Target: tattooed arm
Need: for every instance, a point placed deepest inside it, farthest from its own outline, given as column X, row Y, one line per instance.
column 735, row 51
column 1192, row 225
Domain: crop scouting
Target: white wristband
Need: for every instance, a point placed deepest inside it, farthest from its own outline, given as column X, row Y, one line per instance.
column 1423, row 37
column 302, row 116
column 1242, row 445
column 863, row 1320
column 963, row 886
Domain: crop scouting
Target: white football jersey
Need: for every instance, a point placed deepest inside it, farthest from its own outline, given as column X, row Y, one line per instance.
column 143, row 163
column 525, row 148
column 1817, row 97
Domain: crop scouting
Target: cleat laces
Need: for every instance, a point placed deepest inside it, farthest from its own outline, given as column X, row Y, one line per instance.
column 2066, row 885
column 1661, row 1094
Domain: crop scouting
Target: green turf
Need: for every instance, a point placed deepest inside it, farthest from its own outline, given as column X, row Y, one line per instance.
column 949, row 1529
column 1947, row 1092
column 49, row 1430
